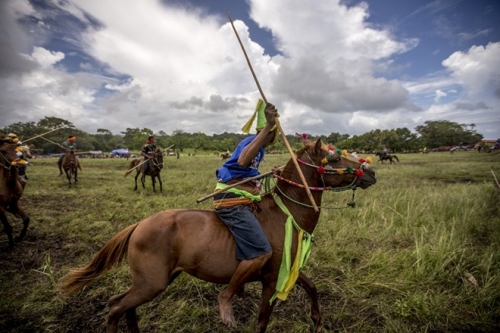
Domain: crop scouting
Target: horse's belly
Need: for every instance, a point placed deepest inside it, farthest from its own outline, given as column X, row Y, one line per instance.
column 192, row 241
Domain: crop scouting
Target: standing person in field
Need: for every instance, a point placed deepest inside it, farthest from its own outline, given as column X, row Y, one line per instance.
column 236, row 206
column 148, row 150
column 69, row 144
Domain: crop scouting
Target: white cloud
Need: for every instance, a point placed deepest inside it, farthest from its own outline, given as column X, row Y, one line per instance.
column 478, row 69
column 148, row 64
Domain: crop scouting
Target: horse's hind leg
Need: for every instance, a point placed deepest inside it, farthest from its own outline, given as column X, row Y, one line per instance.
column 127, row 303
column 161, row 184
column 26, row 221
column 136, row 175
column 308, row 285
column 150, row 276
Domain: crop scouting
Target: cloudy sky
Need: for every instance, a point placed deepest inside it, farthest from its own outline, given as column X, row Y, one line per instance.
column 328, row 65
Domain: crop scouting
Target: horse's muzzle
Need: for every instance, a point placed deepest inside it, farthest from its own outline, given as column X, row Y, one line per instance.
column 368, row 179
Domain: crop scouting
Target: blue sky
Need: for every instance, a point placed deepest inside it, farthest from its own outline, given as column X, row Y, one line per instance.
column 329, row 66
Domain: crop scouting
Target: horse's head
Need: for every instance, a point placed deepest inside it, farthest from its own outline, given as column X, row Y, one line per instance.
column 26, row 151
column 8, row 153
column 327, row 167
column 158, row 159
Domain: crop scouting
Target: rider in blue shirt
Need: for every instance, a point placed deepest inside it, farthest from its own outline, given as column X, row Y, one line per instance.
column 236, row 206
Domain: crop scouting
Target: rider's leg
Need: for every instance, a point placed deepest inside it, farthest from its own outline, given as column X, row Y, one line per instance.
column 252, row 249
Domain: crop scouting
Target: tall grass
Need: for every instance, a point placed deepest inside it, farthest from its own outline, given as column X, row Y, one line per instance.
column 419, row 253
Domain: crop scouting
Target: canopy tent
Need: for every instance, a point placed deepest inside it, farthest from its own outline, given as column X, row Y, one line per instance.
column 120, row 152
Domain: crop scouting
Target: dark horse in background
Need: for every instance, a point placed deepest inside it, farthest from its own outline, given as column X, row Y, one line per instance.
column 195, row 241
column 225, row 156
column 71, row 165
column 155, row 165
column 386, row 157
column 11, row 190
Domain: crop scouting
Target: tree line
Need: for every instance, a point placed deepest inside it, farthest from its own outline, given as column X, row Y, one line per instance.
column 432, row 134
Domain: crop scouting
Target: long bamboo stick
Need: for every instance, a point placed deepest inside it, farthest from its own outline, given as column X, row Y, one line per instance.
column 41, row 135
column 278, row 125
column 55, row 143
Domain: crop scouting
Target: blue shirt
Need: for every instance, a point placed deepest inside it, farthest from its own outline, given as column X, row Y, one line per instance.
column 231, row 170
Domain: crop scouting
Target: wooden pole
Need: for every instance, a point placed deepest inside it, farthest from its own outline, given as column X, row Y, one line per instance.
column 238, row 183
column 40, row 135
column 138, row 165
column 55, row 143
column 278, row 125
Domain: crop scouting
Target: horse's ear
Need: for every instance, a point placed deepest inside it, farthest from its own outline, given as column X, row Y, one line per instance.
column 317, row 147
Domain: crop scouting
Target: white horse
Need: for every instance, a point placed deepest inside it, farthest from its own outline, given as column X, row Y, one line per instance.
column 25, row 154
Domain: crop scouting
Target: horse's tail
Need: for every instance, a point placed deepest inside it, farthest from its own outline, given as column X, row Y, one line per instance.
column 109, row 256
column 78, row 165
column 130, row 168
column 397, row 159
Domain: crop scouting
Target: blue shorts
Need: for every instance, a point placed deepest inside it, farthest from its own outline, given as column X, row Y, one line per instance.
column 251, row 242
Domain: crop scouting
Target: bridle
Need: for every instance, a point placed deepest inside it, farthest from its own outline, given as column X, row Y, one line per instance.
column 157, row 164
column 325, row 170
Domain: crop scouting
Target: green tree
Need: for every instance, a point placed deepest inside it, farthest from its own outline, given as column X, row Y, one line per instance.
column 435, row 133
column 54, row 122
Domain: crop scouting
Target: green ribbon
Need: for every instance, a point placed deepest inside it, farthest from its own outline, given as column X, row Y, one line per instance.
column 289, row 273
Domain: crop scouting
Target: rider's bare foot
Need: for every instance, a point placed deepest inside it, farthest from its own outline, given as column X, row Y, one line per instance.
column 226, row 311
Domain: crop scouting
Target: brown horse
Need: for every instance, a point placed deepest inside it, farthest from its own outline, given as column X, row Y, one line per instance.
column 71, row 164
column 155, row 165
column 11, row 190
column 225, row 156
column 163, row 245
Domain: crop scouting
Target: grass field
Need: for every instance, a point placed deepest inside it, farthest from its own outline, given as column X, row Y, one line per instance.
column 419, row 253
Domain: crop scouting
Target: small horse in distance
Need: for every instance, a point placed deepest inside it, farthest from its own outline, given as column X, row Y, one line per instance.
column 153, row 170
column 71, row 165
column 386, row 157
column 195, row 241
column 225, row 156
column 11, row 191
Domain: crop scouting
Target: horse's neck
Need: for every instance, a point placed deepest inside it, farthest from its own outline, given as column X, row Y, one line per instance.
column 8, row 177
column 297, row 201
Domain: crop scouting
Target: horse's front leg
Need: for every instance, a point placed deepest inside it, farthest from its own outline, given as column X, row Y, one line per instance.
column 76, row 174
column 143, row 180
column 68, row 176
column 265, row 309
column 7, row 228
column 308, row 285
column 161, row 184
column 153, row 181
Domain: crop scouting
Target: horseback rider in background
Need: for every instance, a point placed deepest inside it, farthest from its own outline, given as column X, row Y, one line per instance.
column 148, row 151
column 69, row 144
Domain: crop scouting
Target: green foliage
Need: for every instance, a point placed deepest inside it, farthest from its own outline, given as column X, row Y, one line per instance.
column 446, row 133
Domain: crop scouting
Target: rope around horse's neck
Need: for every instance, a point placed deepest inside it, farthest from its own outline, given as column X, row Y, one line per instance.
column 269, row 189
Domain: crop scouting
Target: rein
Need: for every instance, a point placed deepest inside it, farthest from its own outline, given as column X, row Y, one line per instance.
column 7, row 165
